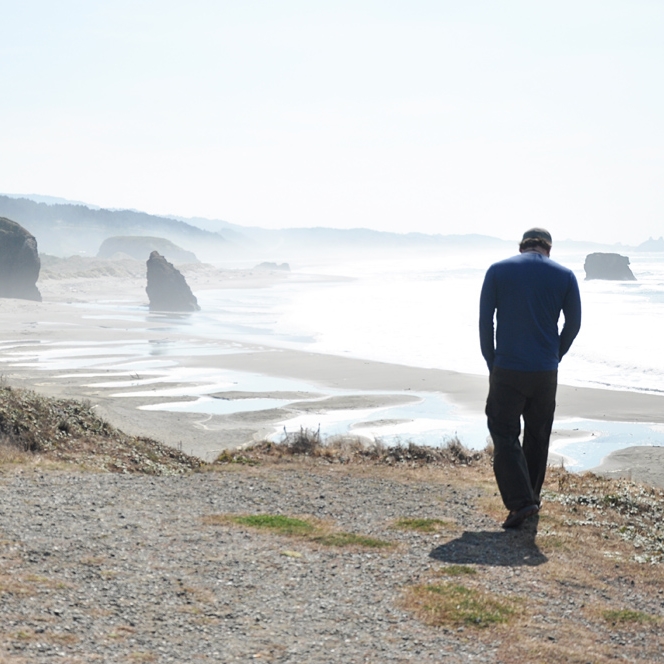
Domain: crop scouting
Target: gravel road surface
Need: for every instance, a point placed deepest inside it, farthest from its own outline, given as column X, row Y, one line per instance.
column 114, row 568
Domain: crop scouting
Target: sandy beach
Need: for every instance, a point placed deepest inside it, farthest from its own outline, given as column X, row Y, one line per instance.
column 41, row 345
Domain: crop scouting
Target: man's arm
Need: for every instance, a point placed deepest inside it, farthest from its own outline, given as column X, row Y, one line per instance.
column 487, row 309
column 572, row 313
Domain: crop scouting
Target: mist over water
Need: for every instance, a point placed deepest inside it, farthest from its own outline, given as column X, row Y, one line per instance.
column 423, row 311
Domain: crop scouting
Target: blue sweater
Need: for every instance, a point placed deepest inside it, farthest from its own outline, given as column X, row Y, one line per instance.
column 528, row 292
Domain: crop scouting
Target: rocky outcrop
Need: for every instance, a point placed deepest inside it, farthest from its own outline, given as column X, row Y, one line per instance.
column 167, row 288
column 19, row 262
column 608, row 266
column 141, row 246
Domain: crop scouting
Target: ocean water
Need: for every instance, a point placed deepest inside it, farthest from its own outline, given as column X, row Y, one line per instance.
column 422, row 311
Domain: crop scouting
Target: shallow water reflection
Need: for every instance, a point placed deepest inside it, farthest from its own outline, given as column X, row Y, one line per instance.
column 153, row 368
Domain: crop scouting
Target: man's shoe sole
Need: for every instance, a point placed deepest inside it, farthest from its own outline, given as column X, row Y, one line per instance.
column 517, row 517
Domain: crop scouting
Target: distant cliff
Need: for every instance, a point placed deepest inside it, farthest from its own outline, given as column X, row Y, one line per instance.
column 652, row 245
column 67, row 229
column 140, row 247
column 64, row 228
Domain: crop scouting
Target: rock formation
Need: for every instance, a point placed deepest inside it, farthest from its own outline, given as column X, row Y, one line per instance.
column 652, row 245
column 608, row 266
column 141, row 246
column 167, row 288
column 19, row 262
column 267, row 265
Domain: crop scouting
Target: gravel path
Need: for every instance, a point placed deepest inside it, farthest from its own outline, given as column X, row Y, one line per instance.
column 113, row 568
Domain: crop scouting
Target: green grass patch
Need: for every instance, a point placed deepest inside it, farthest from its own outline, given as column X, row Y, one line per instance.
column 627, row 616
column 282, row 525
column 420, row 525
column 350, row 539
column 457, row 570
column 455, row 605
column 294, row 527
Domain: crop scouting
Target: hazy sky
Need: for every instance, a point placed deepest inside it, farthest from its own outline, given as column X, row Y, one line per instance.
column 435, row 116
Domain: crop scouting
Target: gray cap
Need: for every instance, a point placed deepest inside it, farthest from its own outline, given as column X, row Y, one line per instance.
column 537, row 234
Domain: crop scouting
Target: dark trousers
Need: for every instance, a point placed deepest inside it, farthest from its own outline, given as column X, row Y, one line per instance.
column 520, row 470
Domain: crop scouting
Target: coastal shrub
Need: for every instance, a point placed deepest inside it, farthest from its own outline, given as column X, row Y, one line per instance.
column 68, row 430
column 303, row 442
column 352, row 449
column 228, row 456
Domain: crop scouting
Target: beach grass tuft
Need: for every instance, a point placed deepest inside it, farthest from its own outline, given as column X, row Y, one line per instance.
column 454, row 605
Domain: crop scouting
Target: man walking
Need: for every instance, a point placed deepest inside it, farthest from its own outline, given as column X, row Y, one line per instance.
column 527, row 293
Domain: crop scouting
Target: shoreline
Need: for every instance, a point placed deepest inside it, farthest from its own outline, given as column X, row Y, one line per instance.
column 76, row 321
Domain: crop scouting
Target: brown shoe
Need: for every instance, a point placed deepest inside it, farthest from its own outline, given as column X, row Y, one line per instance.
column 516, row 517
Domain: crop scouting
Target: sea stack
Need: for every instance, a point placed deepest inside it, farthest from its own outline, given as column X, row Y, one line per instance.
column 167, row 288
column 608, row 266
column 19, row 262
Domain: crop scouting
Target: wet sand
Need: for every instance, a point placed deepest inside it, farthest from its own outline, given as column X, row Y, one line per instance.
column 68, row 314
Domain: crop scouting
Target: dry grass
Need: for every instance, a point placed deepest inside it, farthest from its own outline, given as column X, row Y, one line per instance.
column 121, row 632
column 625, row 616
column 12, row 584
column 455, row 605
column 420, row 525
column 457, row 570
column 343, row 539
column 59, row 638
column 143, row 657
